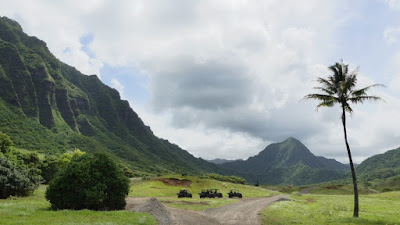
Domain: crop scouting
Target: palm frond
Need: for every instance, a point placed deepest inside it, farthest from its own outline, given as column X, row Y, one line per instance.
column 325, row 104
column 328, row 90
column 361, row 99
column 321, row 97
column 362, row 91
column 339, row 88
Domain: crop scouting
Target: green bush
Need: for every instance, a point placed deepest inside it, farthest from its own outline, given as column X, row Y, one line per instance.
column 5, row 142
column 90, row 181
column 232, row 179
column 16, row 180
column 52, row 164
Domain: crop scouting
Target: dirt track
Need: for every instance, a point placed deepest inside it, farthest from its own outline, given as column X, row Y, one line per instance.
column 247, row 211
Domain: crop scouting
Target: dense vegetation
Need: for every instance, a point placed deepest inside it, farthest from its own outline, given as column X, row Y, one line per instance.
column 16, row 179
column 91, row 181
column 50, row 107
column 19, row 175
column 231, row 179
column 380, row 166
column 287, row 163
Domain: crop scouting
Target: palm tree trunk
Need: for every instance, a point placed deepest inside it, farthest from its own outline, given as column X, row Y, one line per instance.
column 353, row 172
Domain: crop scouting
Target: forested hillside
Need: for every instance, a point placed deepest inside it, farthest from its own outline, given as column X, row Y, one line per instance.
column 380, row 166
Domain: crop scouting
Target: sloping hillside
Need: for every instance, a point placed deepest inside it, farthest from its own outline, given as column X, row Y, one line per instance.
column 48, row 106
column 380, row 166
column 289, row 162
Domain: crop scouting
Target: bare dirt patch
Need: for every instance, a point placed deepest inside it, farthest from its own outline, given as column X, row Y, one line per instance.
column 247, row 211
column 185, row 203
column 310, row 200
column 175, row 182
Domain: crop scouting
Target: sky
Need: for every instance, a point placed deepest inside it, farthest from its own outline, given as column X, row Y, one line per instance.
column 226, row 78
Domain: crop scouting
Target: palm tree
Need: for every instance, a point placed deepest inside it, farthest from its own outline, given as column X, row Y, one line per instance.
column 340, row 88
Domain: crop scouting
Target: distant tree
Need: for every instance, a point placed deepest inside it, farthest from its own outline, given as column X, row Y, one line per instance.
column 339, row 88
column 91, row 181
column 52, row 164
column 15, row 179
column 5, row 142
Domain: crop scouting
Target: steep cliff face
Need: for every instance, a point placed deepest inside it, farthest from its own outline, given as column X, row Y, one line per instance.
column 47, row 105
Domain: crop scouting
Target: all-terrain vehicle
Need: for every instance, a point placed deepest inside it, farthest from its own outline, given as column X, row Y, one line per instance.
column 210, row 193
column 235, row 193
column 205, row 193
column 216, row 193
column 184, row 193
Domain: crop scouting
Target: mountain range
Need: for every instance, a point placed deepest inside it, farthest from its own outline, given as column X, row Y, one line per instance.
column 49, row 106
column 288, row 162
column 381, row 166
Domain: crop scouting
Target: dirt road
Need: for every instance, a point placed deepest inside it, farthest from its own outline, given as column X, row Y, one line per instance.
column 245, row 212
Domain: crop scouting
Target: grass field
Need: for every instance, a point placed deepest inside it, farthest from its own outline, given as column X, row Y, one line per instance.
column 154, row 188
column 36, row 210
column 335, row 209
column 168, row 194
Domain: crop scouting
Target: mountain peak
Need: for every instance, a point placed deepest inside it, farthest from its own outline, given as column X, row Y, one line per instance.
column 285, row 162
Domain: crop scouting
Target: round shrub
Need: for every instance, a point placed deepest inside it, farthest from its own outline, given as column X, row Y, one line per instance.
column 90, row 181
column 16, row 180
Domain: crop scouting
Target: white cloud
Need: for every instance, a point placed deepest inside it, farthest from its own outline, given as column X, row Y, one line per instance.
column 391, row 34
column 118, row 86
column 393, row 4
column 225, row 77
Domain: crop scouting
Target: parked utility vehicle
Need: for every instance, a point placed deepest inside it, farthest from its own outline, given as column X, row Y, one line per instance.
column 235, row 193
column 184, row 193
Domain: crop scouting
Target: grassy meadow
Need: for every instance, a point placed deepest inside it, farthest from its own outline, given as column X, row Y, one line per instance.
column 168, row 194
column 381, row 208
column 35, row 209
column 325, row 204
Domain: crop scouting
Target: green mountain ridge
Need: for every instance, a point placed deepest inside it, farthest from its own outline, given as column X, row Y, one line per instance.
column 288, row 163
column 48, row 106
column 381, row 166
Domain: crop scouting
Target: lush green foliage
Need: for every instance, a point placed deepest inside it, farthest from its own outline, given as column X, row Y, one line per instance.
column 35, row 210
column 52, row 164
column 91, row 181
column 334, row 209
column 231, row 179
column 382, row 166
column 16, row 179
column 5, row 142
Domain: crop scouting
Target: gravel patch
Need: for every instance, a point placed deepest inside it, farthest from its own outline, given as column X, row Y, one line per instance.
column 156, row 209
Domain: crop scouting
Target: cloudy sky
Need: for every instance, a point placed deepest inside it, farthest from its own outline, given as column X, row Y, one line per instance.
column 226, row 78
